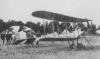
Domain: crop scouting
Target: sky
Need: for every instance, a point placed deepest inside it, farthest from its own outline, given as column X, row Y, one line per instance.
column 21, row 10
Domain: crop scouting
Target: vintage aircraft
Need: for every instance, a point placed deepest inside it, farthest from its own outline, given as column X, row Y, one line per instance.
column 76, row 34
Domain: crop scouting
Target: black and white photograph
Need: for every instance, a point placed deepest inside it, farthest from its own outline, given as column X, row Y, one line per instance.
column 49, row 29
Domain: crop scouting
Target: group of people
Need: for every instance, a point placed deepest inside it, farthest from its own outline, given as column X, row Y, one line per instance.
column 7, row 37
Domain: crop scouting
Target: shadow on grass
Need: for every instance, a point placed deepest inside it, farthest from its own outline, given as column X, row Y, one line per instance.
column 90, row 48
column 53, row 49
column 62, row 47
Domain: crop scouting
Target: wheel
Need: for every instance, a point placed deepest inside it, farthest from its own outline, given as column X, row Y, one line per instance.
column 80, row 45
column 72, row 46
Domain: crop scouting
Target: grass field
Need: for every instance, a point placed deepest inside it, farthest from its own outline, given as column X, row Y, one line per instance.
column 50, row 50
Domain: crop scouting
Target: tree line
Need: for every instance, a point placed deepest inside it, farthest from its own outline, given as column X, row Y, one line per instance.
column 38, row 27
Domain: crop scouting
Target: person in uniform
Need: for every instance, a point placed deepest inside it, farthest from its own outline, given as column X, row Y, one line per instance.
column 3, row 37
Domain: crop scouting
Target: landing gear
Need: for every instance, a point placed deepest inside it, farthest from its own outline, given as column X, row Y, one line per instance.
column 80, row 46
column 73, row 46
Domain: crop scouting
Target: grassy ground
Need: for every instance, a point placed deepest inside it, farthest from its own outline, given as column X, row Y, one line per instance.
column 50, row 50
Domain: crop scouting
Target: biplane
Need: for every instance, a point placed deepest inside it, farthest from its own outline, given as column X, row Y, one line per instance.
column 76, row 34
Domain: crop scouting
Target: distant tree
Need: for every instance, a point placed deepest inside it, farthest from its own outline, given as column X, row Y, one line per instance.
column 45, row 28
column 13, row 23
column 42, row 29
column 2, row 25
column 99, row 27
column 19, row 23
column 93, row 29
column 8, row 24
column 32, row 25
column 38, row 26
column 16, row 23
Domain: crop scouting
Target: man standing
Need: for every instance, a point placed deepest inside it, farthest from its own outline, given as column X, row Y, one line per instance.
column 8, row 37
column 3, row 37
